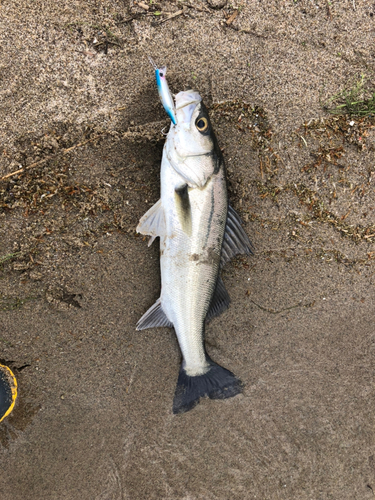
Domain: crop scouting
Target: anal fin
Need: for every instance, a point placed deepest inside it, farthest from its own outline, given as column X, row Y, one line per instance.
column 219, row 302
column 153, row 222
column 154, row 317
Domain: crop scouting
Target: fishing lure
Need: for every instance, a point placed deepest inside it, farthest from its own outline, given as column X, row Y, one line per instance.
column 164, row 92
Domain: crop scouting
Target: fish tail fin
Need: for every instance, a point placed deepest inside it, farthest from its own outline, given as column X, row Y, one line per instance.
column 216, row 383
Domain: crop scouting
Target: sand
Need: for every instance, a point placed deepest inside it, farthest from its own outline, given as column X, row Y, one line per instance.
column 79, row 106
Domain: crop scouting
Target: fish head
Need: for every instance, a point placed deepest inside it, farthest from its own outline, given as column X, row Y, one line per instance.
column 192, row 133
column 191, row 143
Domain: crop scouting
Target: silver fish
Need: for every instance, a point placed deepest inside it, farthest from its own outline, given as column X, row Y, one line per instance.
column 199, row 232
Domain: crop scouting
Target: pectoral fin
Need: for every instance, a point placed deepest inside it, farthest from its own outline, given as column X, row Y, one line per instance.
column 183, row 208
column 153, row 222
column 235, row 240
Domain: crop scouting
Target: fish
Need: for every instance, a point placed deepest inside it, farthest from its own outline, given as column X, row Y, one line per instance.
column 199, row 233
column 164, row 92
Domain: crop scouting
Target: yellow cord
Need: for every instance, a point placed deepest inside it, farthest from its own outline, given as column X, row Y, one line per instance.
column 13, row 389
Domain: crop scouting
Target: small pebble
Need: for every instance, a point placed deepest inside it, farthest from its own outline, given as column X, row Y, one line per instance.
column 143, row 5
column 217, row 4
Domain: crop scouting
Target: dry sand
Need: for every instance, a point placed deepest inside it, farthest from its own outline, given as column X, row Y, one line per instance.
column 94, row 415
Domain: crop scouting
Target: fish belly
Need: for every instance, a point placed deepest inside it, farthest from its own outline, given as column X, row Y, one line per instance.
column 189, row 259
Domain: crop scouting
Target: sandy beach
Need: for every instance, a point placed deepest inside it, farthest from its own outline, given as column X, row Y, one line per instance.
column 81, row 123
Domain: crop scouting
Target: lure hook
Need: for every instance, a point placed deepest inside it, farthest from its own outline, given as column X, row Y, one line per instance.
column 152, row 62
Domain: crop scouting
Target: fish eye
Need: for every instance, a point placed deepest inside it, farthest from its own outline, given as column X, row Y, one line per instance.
column 202, row 124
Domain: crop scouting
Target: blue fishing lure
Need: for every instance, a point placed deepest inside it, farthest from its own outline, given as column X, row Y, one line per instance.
column 164, row 92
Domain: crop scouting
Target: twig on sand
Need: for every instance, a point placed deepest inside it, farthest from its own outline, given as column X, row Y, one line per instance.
column 172, row 16
column 50, row 157
column 248, row 32
column 185, row 6
column 143, row 6
column 6, row 342
column 107, row 42
column 329, row 10
column 196, row 7
column 137, row 15
column 230, row 20
column 274, row 311
column 9, row 256
column 131, row 379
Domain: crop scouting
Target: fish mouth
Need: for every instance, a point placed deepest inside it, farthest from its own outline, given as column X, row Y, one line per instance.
column 182, row 105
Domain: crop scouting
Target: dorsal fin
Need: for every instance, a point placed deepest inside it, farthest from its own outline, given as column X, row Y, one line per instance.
column 235, row 240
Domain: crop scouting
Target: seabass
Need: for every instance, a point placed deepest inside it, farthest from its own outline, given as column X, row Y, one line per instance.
column 199, row 232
